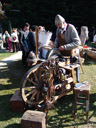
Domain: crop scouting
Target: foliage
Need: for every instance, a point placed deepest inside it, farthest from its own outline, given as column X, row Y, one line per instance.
column 43, row 12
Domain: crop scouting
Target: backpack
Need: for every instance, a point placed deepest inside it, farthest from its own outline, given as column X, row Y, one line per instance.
column 26, row 45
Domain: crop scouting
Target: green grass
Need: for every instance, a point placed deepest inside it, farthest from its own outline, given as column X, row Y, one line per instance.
column 61, row 116
column 10, row 77
column 5, row 53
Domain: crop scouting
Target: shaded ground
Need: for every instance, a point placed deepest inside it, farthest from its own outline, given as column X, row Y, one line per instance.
column 61, row 116
column 12, row 58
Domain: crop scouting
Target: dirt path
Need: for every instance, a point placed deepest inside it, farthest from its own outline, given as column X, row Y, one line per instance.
column 10, row 59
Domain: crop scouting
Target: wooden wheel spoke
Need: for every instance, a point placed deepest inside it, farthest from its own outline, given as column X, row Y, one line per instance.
column 31, row 81
column 36, row 77
column 32, row 87
column 38, row 94
column 40, row 75
column 30, row 92
column 33, row 95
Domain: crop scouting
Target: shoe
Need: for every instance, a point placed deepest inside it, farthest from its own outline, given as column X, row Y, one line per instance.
column 78, row 82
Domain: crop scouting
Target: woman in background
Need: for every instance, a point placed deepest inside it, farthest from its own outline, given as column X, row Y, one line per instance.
column 14, row 40
column 84, row 35
column 9, row 44
column 5, row 39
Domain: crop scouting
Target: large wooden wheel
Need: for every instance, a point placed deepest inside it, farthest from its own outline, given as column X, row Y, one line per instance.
column 35, row 84
column 42, row 85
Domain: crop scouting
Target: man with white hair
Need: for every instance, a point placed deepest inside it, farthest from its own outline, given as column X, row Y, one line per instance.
column 67, row 38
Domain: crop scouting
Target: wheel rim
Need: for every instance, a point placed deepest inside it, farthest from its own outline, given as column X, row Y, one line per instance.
column 32, row 85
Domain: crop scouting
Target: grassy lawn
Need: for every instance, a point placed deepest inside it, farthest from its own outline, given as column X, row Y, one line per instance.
column 61, row 116
column 5, row 53
column 10, row 77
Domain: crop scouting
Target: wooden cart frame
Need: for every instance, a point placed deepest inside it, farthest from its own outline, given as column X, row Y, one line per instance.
column 46, row 82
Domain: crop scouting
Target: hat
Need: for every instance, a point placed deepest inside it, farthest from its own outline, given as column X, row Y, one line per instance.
column 31, row 58
column 59, row 19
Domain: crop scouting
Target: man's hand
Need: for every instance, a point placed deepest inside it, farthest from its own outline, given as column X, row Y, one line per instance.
column 61, row 48
column 53, row 46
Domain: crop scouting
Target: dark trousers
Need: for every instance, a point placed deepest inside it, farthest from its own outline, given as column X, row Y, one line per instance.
column 24, row 57
column 6, row 45
column 14, row 46
column 77, row 75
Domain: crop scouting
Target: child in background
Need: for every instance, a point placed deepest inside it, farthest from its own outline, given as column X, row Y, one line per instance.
column 9, row 44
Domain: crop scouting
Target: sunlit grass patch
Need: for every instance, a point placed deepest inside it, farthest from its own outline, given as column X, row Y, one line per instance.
column 61, row 116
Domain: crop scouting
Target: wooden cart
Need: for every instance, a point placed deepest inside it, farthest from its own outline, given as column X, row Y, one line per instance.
column 46, row 82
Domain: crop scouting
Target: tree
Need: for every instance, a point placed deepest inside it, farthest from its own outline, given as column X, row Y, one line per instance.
column 41, row 12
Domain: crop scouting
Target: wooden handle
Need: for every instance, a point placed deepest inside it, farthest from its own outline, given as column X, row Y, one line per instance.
column 81, row 64
column 36, row 42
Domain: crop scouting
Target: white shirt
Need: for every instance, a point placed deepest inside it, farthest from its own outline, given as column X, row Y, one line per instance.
column 5, row 36
column 14, row 37
column 94, row 38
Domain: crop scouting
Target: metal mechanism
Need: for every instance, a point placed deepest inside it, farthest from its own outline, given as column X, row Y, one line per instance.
column 46, row 82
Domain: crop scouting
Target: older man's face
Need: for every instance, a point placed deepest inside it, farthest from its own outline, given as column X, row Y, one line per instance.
column 60, row 26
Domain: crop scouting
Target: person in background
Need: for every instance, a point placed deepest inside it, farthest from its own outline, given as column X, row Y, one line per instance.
column 42, row 28
column 33, row 28
column 92, row 33
column 67, row 38
column 31, row 59
column 14, row 39
column 5, row 39
column 1, row 41
column 18, row 44
column 94, row 37
column 84, row 35
column 9, row 44
column 32, row 40
column 22, row 36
